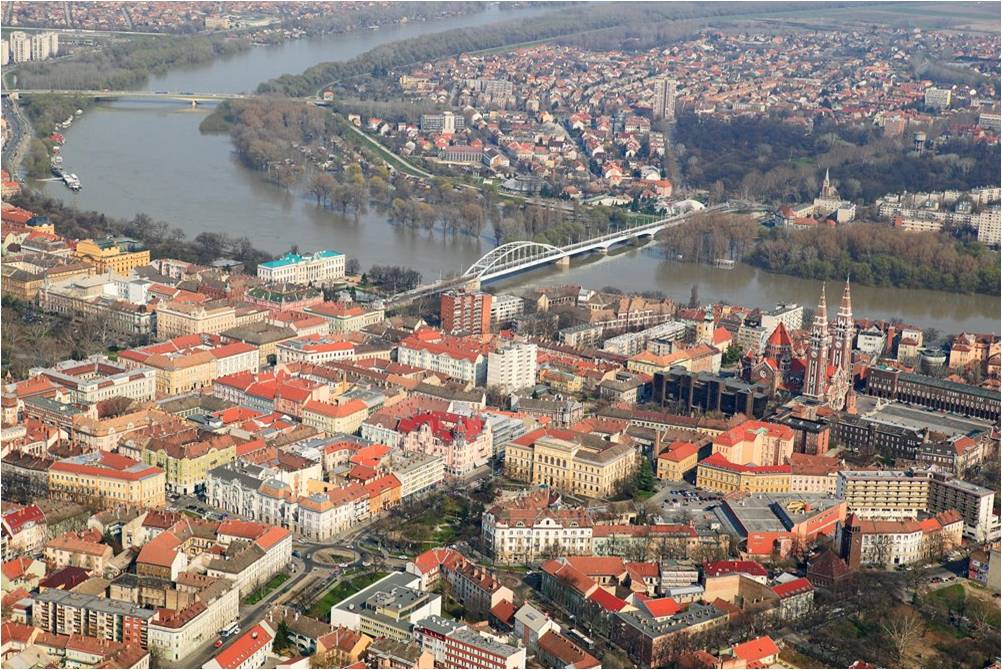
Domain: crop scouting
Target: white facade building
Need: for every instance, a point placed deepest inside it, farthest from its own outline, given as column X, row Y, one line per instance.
column 321, row 267
column 512, row 366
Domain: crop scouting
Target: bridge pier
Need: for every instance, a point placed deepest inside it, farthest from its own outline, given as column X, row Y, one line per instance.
column 473, row 284
column 563, row 262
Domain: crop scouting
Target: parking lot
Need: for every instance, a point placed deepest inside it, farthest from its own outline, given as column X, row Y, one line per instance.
column 682, row 496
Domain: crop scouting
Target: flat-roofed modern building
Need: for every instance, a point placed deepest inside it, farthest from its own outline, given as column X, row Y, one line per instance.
column 388, row 608
column 904, row 494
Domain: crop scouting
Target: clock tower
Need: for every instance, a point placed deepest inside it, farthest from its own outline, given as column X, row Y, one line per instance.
column 816, row 378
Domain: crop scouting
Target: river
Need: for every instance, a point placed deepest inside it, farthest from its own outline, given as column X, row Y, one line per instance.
column 149, row 157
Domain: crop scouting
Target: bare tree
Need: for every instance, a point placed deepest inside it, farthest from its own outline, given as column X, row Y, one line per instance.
column 903, row 629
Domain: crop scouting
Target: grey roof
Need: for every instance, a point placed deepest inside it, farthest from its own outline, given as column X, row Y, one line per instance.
column 696, row 613
column 438, row 624
column 966, row 389
column 78, row 601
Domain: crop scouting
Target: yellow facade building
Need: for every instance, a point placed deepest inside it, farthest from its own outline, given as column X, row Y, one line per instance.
column 175, row 319
column 346, row 417
column 118, row 254
column 186, row 466
column 107, row 480
column 677, row 461
column 592, row 468
column 716, row 473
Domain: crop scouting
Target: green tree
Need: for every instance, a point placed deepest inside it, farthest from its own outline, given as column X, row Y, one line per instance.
column 281, row 637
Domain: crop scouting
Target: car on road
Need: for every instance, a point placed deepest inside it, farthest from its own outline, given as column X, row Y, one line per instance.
column 218, row 643
column 296, row 553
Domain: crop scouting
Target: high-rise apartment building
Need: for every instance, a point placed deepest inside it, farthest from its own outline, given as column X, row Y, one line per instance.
column 664, row 99
column 466, row 312
column 938, row 98
column 20, row 47
column 512, row 366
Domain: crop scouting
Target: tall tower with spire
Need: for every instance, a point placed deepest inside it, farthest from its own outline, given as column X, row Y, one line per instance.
column 816, row 378
column 840, row 355
column 827, row 190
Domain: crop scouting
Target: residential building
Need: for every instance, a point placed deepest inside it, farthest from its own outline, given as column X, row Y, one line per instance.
column 191, row 362
column 466, row 312
column 97, row 378
column 67, row 613
column 512, row 366
column 333, row 418
column 455, row 645
column 107, row 479
column 247, row 652
column 24, row 530
column 347, row 317
column 664, row 98
column 186, row 463
column 448, row 355
column 79, row 550
column 904, row 494
column 506, row 307
column 315, row 349
column 938, row 98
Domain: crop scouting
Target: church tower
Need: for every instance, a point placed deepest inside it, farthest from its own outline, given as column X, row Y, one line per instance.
column 843, row 331
column 827, row 190
column 816, row 379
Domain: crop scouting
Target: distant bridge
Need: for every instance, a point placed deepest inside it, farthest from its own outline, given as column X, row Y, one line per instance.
column 184, row 96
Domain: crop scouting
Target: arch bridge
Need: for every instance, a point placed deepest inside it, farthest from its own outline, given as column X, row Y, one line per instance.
column 523, row 255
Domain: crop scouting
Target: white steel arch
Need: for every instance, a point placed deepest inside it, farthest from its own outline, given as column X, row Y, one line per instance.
column 513, row 253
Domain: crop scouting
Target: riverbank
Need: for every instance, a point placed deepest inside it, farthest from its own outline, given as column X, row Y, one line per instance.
column 127, row 65
column 149, row 157
column 22, row 134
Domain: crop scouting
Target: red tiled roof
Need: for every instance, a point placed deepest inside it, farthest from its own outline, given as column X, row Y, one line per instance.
column 16, row 520
column 792, row 588
column 679, row 451
column 607, row 601
column 245, row 646
column 433, row 559
column 503, row 611
column 662, row 607
column 717, row 568
column 756, row 650
column 718, row 460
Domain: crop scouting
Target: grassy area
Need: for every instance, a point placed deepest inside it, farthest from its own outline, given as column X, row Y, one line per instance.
column 798, row 660
column 510, row 47
column 321, row 609
column 268, row 587
column 950, row 597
